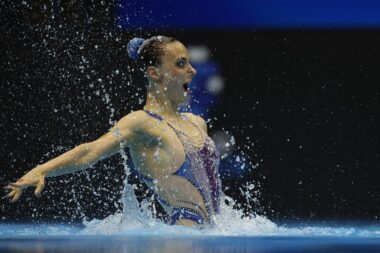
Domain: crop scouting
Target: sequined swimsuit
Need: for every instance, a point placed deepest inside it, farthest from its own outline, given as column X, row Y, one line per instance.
column 200, row 168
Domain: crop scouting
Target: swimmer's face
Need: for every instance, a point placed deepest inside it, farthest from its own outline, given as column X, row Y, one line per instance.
column 176, row 72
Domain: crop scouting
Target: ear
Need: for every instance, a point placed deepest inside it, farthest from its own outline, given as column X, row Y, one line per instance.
column 153, row 73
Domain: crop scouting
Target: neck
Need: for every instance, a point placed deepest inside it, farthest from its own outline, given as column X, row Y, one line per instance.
column 158, row 102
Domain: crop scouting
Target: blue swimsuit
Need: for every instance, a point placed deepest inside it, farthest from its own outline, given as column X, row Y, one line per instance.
column 200, row 168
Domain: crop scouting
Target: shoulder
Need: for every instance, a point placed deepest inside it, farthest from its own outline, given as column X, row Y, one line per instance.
column 135, row 117
column 134, row 125
column 198, row 120
column 135, row 120
column 127, row 130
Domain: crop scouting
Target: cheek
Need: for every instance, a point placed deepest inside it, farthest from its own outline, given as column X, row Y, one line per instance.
column 178, row 72
column 174, row 74
column 175, row 77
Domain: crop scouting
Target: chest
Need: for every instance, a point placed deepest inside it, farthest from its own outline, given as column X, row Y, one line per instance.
column 163, row 149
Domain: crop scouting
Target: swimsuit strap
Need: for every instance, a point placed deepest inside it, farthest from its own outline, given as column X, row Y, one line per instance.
column 160, row 118
column 152, row 114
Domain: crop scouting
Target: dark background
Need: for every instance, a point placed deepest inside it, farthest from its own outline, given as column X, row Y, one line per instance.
column 307, row 100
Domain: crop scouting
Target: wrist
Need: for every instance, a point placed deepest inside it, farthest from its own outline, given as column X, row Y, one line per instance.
column 41, row 170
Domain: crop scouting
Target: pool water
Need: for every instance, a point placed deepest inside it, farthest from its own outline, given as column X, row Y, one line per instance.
column 97, row 237
column 159, row 243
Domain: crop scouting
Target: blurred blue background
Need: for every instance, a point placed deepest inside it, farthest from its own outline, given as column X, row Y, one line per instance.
column 224, row 14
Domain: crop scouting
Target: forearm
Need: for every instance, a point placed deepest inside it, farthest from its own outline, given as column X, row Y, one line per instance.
column 87, row 154
column 76, row 159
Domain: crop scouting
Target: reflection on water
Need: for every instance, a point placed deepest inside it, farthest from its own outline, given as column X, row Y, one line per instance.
column 168, row 244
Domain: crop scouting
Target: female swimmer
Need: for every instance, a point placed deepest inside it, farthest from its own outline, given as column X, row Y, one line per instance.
column 171, row 151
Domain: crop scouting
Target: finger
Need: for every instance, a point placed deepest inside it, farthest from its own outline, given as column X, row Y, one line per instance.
column 9, row 195
column 16, row 196
column 39, row 188
column 8, row 187
column 19, row 185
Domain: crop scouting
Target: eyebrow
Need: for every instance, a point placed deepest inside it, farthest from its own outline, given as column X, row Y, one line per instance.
column 182, row 58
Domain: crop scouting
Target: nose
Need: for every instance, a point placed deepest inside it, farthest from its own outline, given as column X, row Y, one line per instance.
column 192, row 71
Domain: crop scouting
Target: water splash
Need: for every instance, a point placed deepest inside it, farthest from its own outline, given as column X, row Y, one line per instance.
column 233, row 226
column 140, row 219
column 228, row 223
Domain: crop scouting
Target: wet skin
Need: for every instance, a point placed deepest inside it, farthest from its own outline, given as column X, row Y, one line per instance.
column 159, row 153
column 155, row 149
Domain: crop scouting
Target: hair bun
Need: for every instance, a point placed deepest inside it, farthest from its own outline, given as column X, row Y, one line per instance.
column 133, row 47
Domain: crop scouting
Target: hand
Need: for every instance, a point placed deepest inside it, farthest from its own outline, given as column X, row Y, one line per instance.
column 32, row 178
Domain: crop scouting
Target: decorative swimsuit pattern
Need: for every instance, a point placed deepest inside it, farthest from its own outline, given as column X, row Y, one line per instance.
column 200, row 168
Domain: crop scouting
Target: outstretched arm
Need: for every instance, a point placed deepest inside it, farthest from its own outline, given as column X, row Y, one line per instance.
column 78, row 158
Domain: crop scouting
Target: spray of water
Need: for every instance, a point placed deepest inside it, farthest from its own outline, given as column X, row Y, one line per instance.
column 139, row 218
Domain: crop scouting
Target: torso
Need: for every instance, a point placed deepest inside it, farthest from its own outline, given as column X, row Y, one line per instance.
column 161, row 153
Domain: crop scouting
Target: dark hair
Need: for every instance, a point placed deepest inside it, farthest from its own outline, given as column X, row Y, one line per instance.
column 150, row 51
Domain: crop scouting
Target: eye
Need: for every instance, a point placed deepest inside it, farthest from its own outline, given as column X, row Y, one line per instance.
column 181, row 63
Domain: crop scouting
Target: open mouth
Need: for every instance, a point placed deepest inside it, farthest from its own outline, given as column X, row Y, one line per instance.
column 186, row 86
